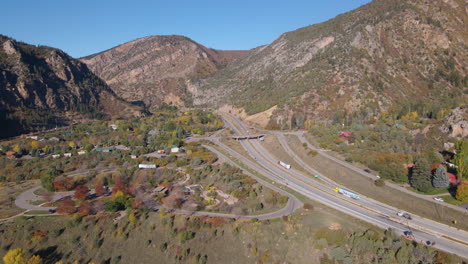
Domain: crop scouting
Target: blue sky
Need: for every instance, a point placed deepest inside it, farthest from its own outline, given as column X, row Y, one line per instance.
column 85, row 27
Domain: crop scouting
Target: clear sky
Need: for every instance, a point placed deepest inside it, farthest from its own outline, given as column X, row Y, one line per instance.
column 84, row 27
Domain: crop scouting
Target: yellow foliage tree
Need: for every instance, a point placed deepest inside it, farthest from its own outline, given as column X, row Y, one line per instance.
column 16, row 148
column 71, row 144
column 35, row 144
column 119, row 194
column 132, row 218
column 14, row 256
column 34, row 260
column 411, row 116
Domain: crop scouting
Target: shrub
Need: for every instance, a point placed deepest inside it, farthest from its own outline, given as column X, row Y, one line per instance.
column 379, row 182
column 462, row 192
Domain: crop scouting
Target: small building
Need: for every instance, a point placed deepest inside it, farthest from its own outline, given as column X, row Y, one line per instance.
column 344, row 134
column 133, row 156
column 113, row 126
column 32, row 137
column 10, row 154
column 56, row 156
column 161, row 151
column 56, row 139
column 147, row 166
column 122, row 147
column 82, row 152
column 174, row 149
column 67, row 155
column 104, row 149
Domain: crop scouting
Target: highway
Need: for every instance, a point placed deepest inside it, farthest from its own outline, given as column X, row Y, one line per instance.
column 446, row 238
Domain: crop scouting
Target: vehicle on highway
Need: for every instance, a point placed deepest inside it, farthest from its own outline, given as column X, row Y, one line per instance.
column 285, row 165
column 347, row 193
column 404, row 215
column 438, row 199
column 261, row 138
column 367, row 170
column 408, row 235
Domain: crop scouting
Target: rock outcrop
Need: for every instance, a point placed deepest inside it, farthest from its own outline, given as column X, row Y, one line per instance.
column 155, row 70
column 41, row 87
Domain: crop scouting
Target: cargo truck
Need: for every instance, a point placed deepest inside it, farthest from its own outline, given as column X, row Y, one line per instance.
column 285, row 165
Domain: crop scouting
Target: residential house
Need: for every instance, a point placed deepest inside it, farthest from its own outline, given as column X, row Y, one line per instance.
column 133, row 156
column 67, row 154
column 147, row 166
column 113, row 126
column 82, row 152
column 174, row 149
column 56, row 156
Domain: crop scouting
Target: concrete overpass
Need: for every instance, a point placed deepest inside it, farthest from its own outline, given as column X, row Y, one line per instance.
column 242, row 137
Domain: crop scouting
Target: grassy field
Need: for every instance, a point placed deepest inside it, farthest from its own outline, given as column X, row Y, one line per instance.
column 432, row 191
column 366, row 186
column 272, row 145
column 449, row 199
column 8, row 193
column 99, row 240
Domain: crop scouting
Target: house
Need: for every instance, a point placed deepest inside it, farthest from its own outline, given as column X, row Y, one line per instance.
column 32, row 137
column 344, row 134
column 161, row 151
column 11, row 154
column 147, row 166
column 56, row 139
column 122, row 147
column 174, row 149
column 67, row 154
column 55, row 156
column 82, row 152
column 113, row 126
column 133, row 156
column 153, row 132
column 104, row 149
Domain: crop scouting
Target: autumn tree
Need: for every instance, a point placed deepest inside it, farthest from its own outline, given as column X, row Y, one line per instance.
column 63, row 184
column 66, row 206
column 14, row 256
column 421, row 177
column 81, row 192
column 85, row 208
column 461, row 159
column 462, row 192
column 119, row 185
column 99, row 188
column 440, row 179
column 34, row 260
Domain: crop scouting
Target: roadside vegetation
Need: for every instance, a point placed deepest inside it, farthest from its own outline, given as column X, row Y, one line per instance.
column 410, row 150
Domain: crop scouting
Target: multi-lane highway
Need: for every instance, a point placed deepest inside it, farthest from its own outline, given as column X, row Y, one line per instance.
column 446, row 238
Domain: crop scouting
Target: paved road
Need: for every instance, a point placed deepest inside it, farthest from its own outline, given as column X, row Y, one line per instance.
column 301, row 137
column 447, row 238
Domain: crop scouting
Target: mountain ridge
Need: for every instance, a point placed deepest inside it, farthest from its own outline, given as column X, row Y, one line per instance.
column 155, row 69
column 43, row 87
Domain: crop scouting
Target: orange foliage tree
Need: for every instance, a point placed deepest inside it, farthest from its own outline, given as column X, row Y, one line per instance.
column 66, row 206
column 81, row 192
column 99, row 188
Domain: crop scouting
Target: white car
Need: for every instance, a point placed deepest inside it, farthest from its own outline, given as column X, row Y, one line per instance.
column 438, row 199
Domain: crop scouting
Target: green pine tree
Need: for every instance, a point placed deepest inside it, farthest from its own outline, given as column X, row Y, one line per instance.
column 421, row 178
column 440, row 179
column 461, row 159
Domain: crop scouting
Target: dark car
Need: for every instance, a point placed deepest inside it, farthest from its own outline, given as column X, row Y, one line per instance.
column 51, row 211
column 367, row 170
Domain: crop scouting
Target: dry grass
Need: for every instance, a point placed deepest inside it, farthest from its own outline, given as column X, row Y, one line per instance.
column 8, row 193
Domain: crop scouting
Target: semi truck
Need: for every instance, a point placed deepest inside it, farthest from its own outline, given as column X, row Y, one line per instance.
column 285, row 165
column 347, row 193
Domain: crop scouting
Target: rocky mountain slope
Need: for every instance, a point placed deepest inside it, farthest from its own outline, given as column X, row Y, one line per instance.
column 41, row 87
column 156, row 69
column 391, row 56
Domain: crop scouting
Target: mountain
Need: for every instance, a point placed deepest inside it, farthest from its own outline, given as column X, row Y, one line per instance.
column 156, row 69
column 388, row 56
column 42, row 87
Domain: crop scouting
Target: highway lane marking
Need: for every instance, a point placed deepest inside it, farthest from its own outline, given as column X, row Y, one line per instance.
column 267, row 160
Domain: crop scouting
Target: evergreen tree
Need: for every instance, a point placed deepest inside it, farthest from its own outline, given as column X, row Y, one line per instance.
column 461, row 159
column 421, row 178
column 440, row 179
